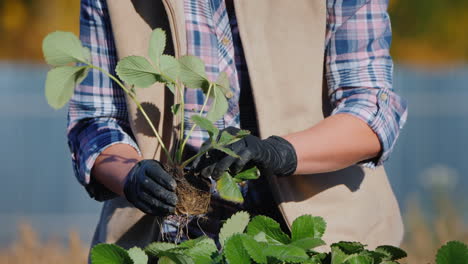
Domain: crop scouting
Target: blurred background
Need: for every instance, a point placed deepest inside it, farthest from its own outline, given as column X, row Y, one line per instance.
column 46, row 213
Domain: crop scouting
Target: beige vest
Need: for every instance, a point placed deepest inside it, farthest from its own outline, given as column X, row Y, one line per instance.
column 284, row 49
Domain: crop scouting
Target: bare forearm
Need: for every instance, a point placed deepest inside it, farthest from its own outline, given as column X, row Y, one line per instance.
column 335, row 143
column 113, row 164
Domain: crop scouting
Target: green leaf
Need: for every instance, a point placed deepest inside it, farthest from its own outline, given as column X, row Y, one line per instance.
column 227, row 151
column 307, row 226
column 165, row 260
column 378, row 257
column 235, row 252
column 235, row 224
column 157, row 45
column 228, row 189
column 138, row 255
column 156, row 248
column 225, row 138
column 192, row 72
column 308, row 242
column 349, row 247
column 392, row 253
column 175, row 109
column 242, row 133
column 249, row 174
column 219, row 106
column 61, row 82
column 109, row 254
column 62, row 48
column 138, row 71
column 206, row 125
column 170, row 67
column 286, row 253
column 222, row 83
column 202, row 252
column 454, row 252
column 358, row 259
column 337, row 255
column 175, row 258
column 270, row 227
column 171, row 87
column 254, row 248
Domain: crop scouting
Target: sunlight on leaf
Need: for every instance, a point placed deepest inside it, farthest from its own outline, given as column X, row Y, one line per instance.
column 235, row 224
column 170, row 67
column 193, row 73
column 61, row 82
column 62, row 48
column 157, row 45
column 228, row 189
column 138, row 255
column 249, row 174
column 138, row 71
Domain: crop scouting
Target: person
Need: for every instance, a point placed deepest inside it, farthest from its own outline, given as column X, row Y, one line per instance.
column 277, row 54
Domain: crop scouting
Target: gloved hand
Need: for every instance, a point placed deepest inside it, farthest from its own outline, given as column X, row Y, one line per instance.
column 150, row 188
column 274, row 153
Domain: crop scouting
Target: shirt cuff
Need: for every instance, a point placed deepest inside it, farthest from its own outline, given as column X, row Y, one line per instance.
column 87, row 143
column 383, row 110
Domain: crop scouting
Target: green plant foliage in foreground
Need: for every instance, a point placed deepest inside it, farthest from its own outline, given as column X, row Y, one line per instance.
column 261, row 240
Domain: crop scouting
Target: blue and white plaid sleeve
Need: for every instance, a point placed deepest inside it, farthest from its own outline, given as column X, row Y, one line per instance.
column 97, row 116
column 359, row 69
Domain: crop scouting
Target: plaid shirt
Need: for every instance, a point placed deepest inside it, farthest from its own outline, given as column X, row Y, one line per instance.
column 358, row 70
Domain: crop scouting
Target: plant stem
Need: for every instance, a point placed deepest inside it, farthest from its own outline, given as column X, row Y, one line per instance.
column 182, row 123
column 187, row 162
column 194, row 125
column 137, row 103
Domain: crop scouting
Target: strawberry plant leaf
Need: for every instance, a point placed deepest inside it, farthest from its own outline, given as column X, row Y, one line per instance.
column 228, row 189
column 62, row 48
column 138, row 256
column 156, row 248
column 286, row 253
column 222, row 83
column 157, row 45
column 138, row 71
column 202, row 251
column 227, row 151
column 219, row 106
column 225, row 138
column 175, row 258
column 308, row 242
column 454, row 252
column 234, row 250
column 206, row 125
column 249, row 174
column 193, row 242
column 192, row 72
column 254, row 249
column 170, row 67
column 109, row 254
column 307, row 226
column 349, row 247
column 392, row 253
column 175, row 109
column 242, row 133
column 337, row 255
column 61, row 82
column 270, row 227
column 235, row 224
column 358, row 259
column 165, row 260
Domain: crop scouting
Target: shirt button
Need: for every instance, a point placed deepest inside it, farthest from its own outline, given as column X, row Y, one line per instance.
column 225, row 41
column 383, row 96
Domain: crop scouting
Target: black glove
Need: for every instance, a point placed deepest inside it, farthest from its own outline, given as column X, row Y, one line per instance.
column 150, row 188
column 274, row 153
